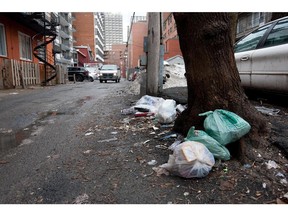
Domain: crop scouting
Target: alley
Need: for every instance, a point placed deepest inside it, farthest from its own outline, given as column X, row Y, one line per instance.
column 70, row 144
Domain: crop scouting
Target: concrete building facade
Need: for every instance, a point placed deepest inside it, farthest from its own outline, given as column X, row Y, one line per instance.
column 113, row 30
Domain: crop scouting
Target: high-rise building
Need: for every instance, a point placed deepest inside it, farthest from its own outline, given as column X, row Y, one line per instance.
column 64, row 40
column 99, row 36
column 113, row 29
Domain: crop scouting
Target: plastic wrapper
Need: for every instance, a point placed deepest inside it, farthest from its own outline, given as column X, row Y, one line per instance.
column 190, row 160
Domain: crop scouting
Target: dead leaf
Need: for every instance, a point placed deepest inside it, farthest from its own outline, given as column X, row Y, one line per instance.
column 3, row 162
column 279, row 201
column 227, row 184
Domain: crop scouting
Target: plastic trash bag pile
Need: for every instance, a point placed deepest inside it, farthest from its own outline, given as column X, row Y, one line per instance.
column 163, row 110
column 194, row 158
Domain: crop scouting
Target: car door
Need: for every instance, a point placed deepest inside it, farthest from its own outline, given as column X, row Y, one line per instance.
column 244, row 50
column 270, row 61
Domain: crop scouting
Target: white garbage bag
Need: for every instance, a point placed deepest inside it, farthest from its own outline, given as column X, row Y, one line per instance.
column 167, row 111
column 190, row 159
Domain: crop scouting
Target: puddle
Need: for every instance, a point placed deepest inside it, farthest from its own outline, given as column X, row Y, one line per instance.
column 9, row 140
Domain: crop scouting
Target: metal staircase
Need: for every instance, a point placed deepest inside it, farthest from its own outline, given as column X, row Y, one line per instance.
column 43, row 38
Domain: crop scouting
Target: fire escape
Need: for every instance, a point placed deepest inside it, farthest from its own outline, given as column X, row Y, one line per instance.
column 43, row 38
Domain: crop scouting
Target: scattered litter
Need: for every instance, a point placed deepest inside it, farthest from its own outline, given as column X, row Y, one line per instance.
column 146, row 141
column 160, row 171
column 167, row 125
column 89, row 133
column 247, row 166
column 155, row 128
column 3, row 162
column 264, row 185
column 190, row 160
column 271, row 164
column 267, row 111
column 171, row 135
column 161, row 147
column 108, row 140
column 279, row 174
column 25, row 129
column 81, row 199
column 87, row 152
column 283, row 181
column 152, row 162
column 186, row 194
column 180, row 108
column 114, row 132
column 13, row 93
column 144, row 114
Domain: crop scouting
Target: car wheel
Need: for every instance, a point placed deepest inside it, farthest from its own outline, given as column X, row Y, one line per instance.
column 79, row 78
column 91, row 79
column 105, row 81
column 101, row 81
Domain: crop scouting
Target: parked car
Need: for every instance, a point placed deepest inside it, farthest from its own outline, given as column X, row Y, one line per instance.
column 109, row 72
column 262, row 57
column 80, row 73
column 93, row 73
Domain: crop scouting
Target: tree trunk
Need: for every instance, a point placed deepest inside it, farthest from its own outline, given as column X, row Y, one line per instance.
column 206, row 42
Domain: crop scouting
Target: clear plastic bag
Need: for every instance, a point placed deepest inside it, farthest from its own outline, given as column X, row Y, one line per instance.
column 167, row 111
column 190, row 160
column 225, row 126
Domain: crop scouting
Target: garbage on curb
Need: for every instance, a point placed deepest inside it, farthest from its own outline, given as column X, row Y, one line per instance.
column 190, row 159
column 225, row 126
column 271, row 164
column 167, row 111
column 149, row 103
column 180, row 108
column 219, row 151
column 267, row 111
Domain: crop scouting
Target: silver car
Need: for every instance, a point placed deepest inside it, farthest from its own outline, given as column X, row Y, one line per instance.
column 109, row 72
column 93, row 73
column 262, row 57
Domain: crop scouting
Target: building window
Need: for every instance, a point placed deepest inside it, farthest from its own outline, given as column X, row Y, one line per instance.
column 25, row 47
column 3, row 51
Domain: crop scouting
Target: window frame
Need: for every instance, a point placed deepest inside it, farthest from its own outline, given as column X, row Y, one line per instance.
column 28, row 51
column 3, row 40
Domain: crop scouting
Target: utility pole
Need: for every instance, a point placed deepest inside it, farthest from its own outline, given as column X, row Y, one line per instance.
column 153, row 54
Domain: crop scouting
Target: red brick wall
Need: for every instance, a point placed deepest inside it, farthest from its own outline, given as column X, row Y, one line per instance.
column 172, row 48
column 139, row 31
column 12, row 40
column 84, row 26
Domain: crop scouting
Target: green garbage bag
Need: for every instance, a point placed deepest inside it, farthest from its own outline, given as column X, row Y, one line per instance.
column 219, row 151
column 225, row 126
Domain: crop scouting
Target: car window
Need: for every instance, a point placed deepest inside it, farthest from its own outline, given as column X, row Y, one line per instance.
column 278, row 35
column 250, row 41
column 109, row 67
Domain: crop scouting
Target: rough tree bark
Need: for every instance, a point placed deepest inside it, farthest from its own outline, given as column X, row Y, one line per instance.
column 206, row 42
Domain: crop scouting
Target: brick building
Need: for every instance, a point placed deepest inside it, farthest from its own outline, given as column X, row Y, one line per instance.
column 139, row 30
column 170, row 36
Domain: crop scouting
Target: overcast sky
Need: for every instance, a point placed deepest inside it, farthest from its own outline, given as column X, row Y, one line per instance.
column 126, row 21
